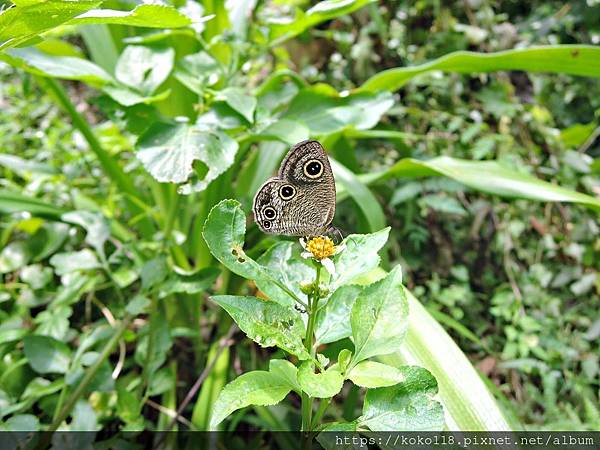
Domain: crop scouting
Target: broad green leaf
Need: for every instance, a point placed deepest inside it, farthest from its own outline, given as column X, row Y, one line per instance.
column 34, row 61
column 138, row 305
column 36, row 275
column 148, row 16
column 127, row 96
column 143, row 68
column 266, row 322
column 95, row 224
column 188, row 282
column 284, row 263
column 240, row 101
column 332, row 319
column 160, row 346
column 54, row 322
column 26, row 21
column 154, row 272
column 320, row 385
column 371, row 374
column 330, row 436
column 323, row 111
column 407, row 406
column 46, row 355
column 379, row 318
column 572, row 59
column 360, row 255
column 287, row 131
column 490, row 177
column 83, row 419
column 287, row 371
column 468, row 403
column 21, row 422
column 285, row 29
column 224, row 232
column 362, row 196
column 74, row 261
column 197, row 71
column 577, row 134
column 252, row 388
column 169, row 153
column 14, row 256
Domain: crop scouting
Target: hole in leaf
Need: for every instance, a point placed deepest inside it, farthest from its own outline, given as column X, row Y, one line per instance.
column 241, row 260
column 234, row 252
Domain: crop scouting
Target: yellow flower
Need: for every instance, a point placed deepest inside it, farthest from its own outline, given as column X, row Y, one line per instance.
column 321, row 247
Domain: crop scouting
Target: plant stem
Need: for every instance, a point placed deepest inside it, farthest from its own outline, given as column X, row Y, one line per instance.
column 313, row 303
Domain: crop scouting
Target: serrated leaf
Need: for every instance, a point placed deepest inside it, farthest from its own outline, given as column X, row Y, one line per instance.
column 267, row 323
column 169, row 151
column 332, row 322
column 379, row 318
column 360, row 255
column 320, row 385
column 252, row 388
column 371, row 374
column 188, row 282
column 287, row 371
column 148, row 16
column 407, row 406
column 224, row 232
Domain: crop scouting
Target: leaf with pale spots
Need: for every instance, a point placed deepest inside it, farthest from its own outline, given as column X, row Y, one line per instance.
column 267, row 323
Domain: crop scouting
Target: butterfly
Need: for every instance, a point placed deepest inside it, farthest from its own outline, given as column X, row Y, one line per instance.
column 300, row 200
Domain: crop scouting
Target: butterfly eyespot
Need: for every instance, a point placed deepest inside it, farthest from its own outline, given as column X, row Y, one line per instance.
column 266, row 224
column 313, row 168
column 269, row 213
column 287, row 191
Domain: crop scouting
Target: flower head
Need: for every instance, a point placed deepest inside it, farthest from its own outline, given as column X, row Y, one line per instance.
column 321, row 248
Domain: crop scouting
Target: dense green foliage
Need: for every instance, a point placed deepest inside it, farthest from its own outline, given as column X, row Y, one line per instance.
column 471, row 130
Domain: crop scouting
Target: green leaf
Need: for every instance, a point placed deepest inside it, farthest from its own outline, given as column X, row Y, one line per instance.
column 143, row 68
column 468, row 403
column 326, row 10
column 287, row 131
column 169, row 152
column 46, row 355
column 224, row 232
column 577, row 134
column 197, row 71
column 320, row 385
column 14, row 256
column 360, row 256
column 490, row 177
column 188, row 282
column 362, row 196
column 240, row 101
column 128, row 96
column 371, row 374
column 572, row 59
column 252, row 388
column 286, row 371
column 138, row 305
column 25, row 21
column 379, row 318
column 329, row 433
column 74, row 261
column 34, row 61
column 95, row 224
column 332, row 319
column 323, row 111
column 148, row 16
column 54, row 322
column 407, row 406
column 83, row 418
column 25, row 167
column 21, row 422
column 267, row 323
column 154, row 272
column 284, row 264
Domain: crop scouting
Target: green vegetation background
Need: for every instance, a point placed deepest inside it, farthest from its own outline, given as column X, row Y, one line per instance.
column 514, row 282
